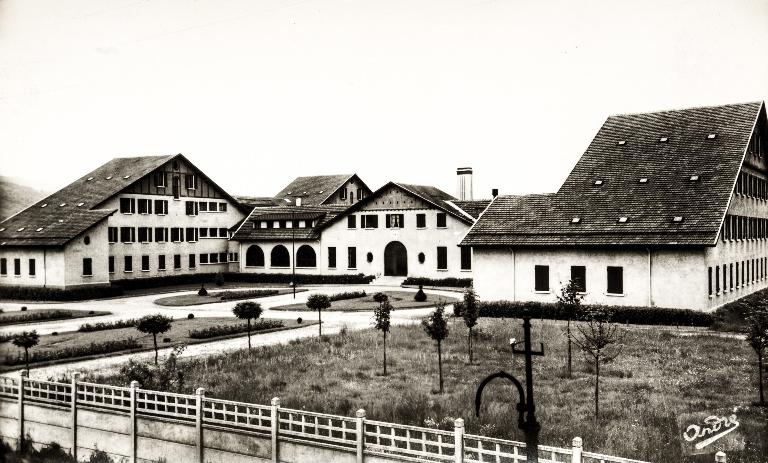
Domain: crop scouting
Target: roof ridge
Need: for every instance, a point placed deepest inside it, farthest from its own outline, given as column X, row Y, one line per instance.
column 673, row 110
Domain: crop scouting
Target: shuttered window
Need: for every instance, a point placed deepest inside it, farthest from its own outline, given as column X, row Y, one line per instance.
column 442, row 258
column 466, row 258
column 332, row 256
column 615, row 280
column 541, row 277
column 579, row 277
column 87, row 267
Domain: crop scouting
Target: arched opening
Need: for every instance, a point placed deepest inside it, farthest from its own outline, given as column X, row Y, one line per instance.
column 395, row 259
column 254, row 256
column 305, row 257
column 279, row 257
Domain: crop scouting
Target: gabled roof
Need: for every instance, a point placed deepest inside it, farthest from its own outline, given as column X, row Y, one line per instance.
column 319, row 214
column 629, row 148
column 473, row 208
column 314, row 190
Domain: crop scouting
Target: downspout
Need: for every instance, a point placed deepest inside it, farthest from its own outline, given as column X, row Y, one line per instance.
column 514, row 276
column 650, row 275
column 45, row 271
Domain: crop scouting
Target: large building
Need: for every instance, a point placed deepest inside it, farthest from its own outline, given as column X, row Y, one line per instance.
column 130, row 218
column 666, row 209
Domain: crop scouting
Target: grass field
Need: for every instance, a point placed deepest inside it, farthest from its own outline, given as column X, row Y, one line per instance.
column 662, row 374
column 212, row 297
column 399, row 300
column 16, row 317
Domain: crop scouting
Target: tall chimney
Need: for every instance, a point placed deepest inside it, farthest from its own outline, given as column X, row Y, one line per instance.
column 464, row 184
column 494, row 192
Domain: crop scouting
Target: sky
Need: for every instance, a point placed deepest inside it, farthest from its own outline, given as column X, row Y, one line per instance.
column 256, row 92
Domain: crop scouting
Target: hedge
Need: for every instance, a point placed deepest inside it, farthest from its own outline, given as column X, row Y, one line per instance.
column 199, row 278
column 72, row 352
column 32, row 293
column 89, row 327
column 245, row 294
column 347, row 295
column 619, row 314
column 27, row 317
column 449, row 282
column 223, row 330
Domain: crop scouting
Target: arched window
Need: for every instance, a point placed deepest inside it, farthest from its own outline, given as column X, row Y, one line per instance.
column 254, row 256
column 280, row 257
column 305, row 257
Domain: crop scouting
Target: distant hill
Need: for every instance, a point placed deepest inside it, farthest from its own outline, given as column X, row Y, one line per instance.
column 15, row 197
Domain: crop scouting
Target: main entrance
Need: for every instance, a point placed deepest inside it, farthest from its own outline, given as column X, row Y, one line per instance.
column 395, row 260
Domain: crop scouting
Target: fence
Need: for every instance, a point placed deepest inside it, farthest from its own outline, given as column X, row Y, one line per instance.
column 204, row 428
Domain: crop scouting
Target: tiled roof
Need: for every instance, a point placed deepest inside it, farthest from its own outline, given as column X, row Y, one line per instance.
column 629, row 148
column 256, row 201
column 314, row 189
column 320, row 214
column 472, row 207
column 68, row 212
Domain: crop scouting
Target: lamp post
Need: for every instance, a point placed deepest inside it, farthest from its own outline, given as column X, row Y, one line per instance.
column 293, row 244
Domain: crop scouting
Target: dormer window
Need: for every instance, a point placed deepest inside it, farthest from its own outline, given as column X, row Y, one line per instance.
column 643, row 180
column 622, row 220
column 62, row 204
column 711, row 136
column 20, row 229
column 109, row 178
column 576, row 220
column 126, row 176
column 39, row 229
column 663, row 139
column 598, row 182
column 622, row 142
column 2, row 229
column 694, row 178
column 80, row 204
column 89, row 179
column 45, row 204
column 677, row 218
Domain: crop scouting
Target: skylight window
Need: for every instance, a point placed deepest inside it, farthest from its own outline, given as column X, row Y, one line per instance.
column 20, row 229
column 126, row 176
column 62, row 204
column 677, row 218
column 664, row 139
column 80, row 204
column 2, row 229
column 39, row 229
column 694, row 178
column 622, row 220
column 576, row 220
column 89, row 179
column 643, row 180
column 61, row 220
column 598, row 182
column 622, row 142
column 44, row 204
column 711, row 136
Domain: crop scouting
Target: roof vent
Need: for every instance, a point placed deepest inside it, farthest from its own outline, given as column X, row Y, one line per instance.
column 711, row 136
column 622, row 142
column 3, row 243
column 694, row 178
column 80, row 204
column 44, row 204
column 2, row 229
column 20, row 229
column 622, row 220
column 598, row 182
column 62, row 204
column 290, row 192
column 61, row 220
column 126, row 176
column 677, row 218
column 643, row 180
column 39, row 229
column 89, row 179
column 664, row 139
column 576, row 220
column 109, row 178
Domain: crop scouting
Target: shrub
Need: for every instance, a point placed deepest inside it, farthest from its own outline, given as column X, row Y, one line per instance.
column 32, row 293
column 347, row 295
column 55, row 333
column 299, row 320
column 246, row 294
column 93, row 348
column 202, row 291
column 90, row 327
column 224, row 330
column 219, row 279
column 91, row 312
column 5, row 337
column 35, row 317
column 420, row 296
column 166, row 339
column 23, row 308
column 449, row 282
column 190, row 316
column 618, row 314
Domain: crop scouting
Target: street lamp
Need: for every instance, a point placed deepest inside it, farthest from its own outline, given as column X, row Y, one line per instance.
column 293, row 245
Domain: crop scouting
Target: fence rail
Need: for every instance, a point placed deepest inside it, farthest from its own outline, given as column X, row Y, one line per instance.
column 350, row 434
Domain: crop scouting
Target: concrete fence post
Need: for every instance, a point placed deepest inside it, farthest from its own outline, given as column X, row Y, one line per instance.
column 360, row 421
column 275, row 414
column 134, row 388
column 458, row 440
column 720, row 457
column 73, row 414
column 22, row 378
column 200, row 393
column 576, row 448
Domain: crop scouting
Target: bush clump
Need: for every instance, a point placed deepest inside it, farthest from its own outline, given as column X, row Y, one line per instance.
column 201, row 278
column 23, row 308
column 224, row 330
column 101, row 326
column 35, row 317
column 299, row 320
column 31, row 293
column 420, row 296
column 219, row 279
column 190, row 316
column 347, row 295
column 202, row 291
column 93, row 348
column 246, row 294
column 448, row 282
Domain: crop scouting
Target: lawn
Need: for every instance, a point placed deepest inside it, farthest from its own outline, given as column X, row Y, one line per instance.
column 16, row 317
column 660, row 375
column 214, row 297
column 399, row 300
column 178, row 334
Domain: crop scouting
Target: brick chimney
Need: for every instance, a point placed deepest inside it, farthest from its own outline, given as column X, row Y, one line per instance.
column 464, row 184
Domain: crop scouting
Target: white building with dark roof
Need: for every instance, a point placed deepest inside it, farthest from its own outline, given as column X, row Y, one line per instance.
column 666, row 209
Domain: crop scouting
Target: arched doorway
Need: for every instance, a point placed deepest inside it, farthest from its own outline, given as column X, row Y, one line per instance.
column 395, row 260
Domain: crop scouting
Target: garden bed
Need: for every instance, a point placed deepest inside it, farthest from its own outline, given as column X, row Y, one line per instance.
column 398, row 299
column 213, row 297
column 17, row 317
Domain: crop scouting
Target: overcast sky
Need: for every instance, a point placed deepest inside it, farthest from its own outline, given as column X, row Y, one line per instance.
column 256, row 92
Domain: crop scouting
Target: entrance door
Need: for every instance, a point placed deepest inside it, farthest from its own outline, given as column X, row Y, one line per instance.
column 395, row 260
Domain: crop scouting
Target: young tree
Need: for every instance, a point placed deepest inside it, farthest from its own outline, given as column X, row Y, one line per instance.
column 319, row 302
column 569, row 301
column 26, row 340
column 601, row 343
column 247, row 310
column 436, row 328
column 154, row 325
column 470, row 313
column 757, row 337
column 381, row 321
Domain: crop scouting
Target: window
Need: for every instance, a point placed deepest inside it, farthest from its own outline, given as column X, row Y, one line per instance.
column 579, row 277
column 31, row 267
column 177, row 234
column 145, row 206
column 332, row 256
column 394, row 220
column 369, row 221
column 203, row 206
column 730, row 276
column 214, row 258
column 161, row 234
column 3, row 266
column 213, row 232
column 87, row 267
column 212, row 206
column 737, row 276
column 541, row 278
column 204, row 258
column 279, row 257
column 159, row 179
column 421, row 220
column 192, row 263
column 222, row 207
column 191, row 234
column 305, row 257
column 176, row 187
column 191, row 207
column 128, row 264
column 615, row 280
column 190, row 182
column 145, row 263
column 351, row 257
column 111, row 264
column 235, row 257
column 441, row 220
column 442, row 258
column 177, row 261
column 127, row 234
column 717, row 279
column 223, row 257
column 145, row 234
column 17, row 267
column 161, row 206
column 112, row 234
column 222, row 232
column 127, row 205
column 161, row 262
column 421, row 257
column 352, row 221
column 343, row 193
column 203, row 233
column 466, row 258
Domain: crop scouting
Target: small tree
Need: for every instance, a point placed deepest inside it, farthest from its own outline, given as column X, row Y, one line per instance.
column 381, row 317
column 569, row 301
column 436, row 328
column 757, row 337
column 154, row 325
column 319, row 302
column 601, row 343
column 470, row 313
column 26, row 340
column 247, row 310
